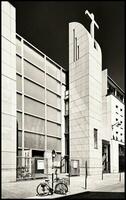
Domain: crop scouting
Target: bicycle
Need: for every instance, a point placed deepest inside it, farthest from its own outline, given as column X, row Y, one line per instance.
column 44, row 188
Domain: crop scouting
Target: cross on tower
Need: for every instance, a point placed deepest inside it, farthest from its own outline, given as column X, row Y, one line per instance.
column 93, row 22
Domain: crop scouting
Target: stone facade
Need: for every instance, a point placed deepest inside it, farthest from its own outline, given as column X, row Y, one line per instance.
column 8, row 93
column 85, row 98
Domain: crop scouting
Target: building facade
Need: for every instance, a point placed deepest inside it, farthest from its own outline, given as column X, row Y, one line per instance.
column 81, row 119
column 96, row 107
column 33, row 122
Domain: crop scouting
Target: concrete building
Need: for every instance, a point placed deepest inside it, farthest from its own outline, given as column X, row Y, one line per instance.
column 96, row 107
column 84, row 122
column 33, row 89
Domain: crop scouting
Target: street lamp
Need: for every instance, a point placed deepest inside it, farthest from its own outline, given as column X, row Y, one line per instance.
column 116, row 124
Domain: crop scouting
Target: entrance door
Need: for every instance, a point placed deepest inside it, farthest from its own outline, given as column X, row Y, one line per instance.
column 38, row 162
column 105, row 156
column 121, row 158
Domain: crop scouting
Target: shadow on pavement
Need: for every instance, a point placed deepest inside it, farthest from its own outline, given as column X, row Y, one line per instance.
column 96, row 195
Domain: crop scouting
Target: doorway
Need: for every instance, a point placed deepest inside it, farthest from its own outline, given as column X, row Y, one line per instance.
column 105, row 156
column 121, row 158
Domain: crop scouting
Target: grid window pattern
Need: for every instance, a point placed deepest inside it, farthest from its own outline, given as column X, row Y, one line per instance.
column 31, row 99
column 34, row 124
column 33, row 56
column 53, row 114
column 53, row 70
column 34, row 73
column 53, row 143
column 34, row 107
column 53, row 85
column 34, row 90
column 53, row 129
column 33, row 141
column 53, row 99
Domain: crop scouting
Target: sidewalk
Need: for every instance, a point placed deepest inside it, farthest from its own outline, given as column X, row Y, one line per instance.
column 27, row 189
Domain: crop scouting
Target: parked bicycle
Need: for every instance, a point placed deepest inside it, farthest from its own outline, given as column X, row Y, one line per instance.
column 44, row 187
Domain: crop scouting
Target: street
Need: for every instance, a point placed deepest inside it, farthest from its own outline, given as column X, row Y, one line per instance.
column 97, row 195
column 115, row 191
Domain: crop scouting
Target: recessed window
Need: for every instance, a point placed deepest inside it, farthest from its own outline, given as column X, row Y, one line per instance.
column 95, row 138
column 121, row 109
column 116, row 132
column 116, row 119
column 116, row 138
column 121, row 140
column 121, row 122
column 121, row 134
column 116, row 106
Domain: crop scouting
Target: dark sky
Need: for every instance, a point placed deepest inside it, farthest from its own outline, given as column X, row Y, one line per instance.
column 45, row 25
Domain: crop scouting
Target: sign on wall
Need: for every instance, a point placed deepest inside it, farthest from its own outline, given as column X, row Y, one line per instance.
column 75, row 164
column 40, row 164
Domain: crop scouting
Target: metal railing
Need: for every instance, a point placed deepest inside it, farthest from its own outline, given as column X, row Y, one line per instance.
column 31, row 167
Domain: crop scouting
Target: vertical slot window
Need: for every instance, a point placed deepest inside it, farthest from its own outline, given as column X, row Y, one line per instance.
column 95, row 138
column 74, row 45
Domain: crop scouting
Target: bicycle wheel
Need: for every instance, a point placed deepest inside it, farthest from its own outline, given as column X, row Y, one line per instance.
column 61, row 188
column 42, row 189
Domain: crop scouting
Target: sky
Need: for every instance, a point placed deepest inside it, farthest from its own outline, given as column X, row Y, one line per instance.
column 45, row 25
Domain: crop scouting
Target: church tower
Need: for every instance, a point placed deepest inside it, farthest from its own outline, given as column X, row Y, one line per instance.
column 85, row 97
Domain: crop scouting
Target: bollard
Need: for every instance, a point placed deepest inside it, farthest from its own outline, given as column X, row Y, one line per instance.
column 85, row 174
column 52, row 180
column 120, row 176
column 102, row 174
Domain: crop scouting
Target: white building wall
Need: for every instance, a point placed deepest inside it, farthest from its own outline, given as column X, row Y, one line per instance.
column 63, row 120
column 85, row 100
column 117, row 115
column 114, row 156
column 112, row 109
column 8, row 93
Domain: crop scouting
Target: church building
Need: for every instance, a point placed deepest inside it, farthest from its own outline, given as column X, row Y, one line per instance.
column 81, row 120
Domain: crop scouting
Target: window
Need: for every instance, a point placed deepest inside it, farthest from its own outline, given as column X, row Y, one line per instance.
column 121, row 109
column 74, row 45
column 116, row 106
column 95, row 138
column 116, row 119
column 116, row 132
column 78, row 52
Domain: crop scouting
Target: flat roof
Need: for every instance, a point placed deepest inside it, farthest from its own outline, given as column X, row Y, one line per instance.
column 115, row 84
column 40, row 52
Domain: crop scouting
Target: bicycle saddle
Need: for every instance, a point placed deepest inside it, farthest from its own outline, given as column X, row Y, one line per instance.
column 47, row 180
